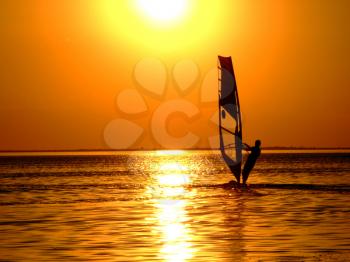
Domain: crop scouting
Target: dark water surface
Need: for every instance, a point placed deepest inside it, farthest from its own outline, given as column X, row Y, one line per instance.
column 172, row 206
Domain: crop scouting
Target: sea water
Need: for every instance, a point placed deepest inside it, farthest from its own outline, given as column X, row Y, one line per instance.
column 173, row 206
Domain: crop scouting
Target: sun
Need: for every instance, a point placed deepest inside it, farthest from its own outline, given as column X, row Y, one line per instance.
column 163, row 10
column 162, row 27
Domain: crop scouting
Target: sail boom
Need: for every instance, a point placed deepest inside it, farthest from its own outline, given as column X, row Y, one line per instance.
column 228, row 131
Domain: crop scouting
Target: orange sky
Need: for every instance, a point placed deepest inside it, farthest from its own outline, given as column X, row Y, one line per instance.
column 63, row 64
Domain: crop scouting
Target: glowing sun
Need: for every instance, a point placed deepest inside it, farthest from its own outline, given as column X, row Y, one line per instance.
column 163, row 10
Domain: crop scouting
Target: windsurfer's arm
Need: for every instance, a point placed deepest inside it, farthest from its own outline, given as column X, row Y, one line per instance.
column 246, row 147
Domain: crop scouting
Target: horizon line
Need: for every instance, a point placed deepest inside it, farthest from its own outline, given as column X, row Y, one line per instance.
column 165, row 149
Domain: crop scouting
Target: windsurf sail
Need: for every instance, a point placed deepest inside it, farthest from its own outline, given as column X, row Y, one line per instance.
column 230, row 121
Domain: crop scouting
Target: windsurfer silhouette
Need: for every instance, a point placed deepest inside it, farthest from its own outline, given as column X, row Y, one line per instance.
column 252, row 157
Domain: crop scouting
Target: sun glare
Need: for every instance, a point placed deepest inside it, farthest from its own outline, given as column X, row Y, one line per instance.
column 163, row 10
column 160, row 27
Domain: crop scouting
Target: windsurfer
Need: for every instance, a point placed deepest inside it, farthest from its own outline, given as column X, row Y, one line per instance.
column 252, row 157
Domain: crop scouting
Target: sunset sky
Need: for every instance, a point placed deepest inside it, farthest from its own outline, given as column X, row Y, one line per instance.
column 64, row 64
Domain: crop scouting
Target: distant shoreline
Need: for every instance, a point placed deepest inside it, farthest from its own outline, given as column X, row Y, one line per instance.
column 157, row 149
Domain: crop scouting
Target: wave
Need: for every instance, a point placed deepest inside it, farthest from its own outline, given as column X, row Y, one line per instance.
column 9, row 188
column 46, row 174
column 310, row 187
column 316, row 187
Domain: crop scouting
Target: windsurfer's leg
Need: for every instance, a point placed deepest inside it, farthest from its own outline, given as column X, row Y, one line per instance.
column 246, row 171
column 245, row 178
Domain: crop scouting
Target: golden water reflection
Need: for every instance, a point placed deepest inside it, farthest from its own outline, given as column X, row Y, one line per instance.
column 171, row 215
column 176, row 236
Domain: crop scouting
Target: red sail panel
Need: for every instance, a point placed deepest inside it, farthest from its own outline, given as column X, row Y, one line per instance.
column 228, row 89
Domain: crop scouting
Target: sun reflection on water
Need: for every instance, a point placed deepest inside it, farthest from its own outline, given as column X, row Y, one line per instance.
column 171, row 215
column 170, row 152
column 176, row 236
